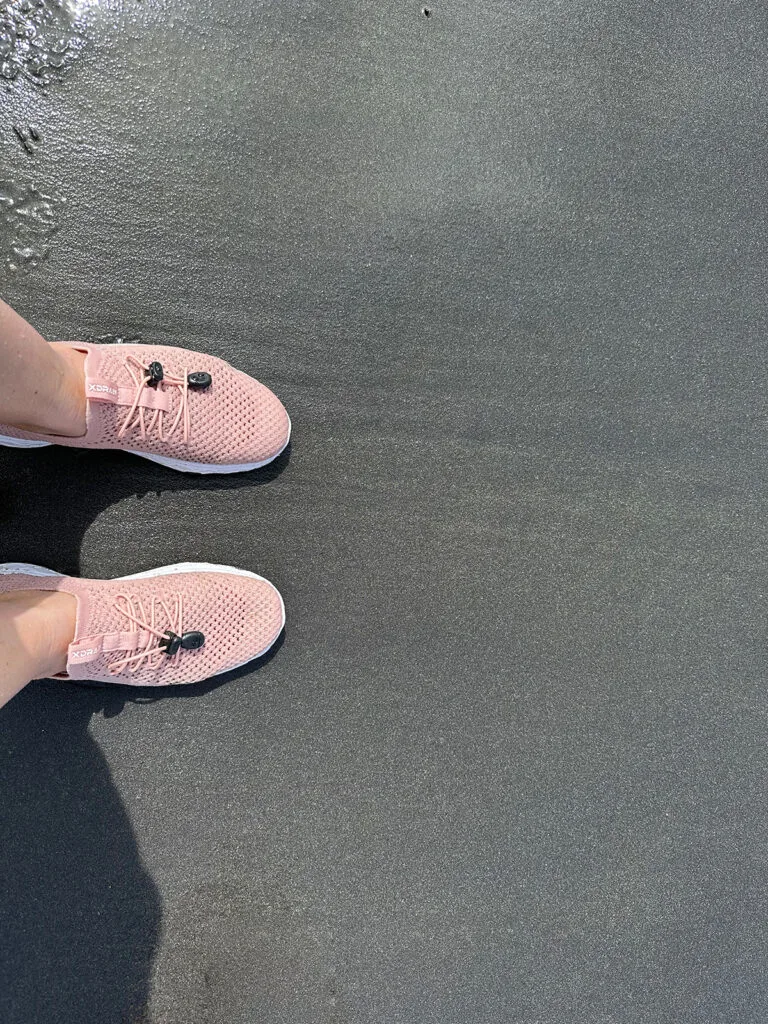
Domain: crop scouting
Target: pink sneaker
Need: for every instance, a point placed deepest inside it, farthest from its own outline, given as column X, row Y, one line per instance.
column 179, row 624
column 185, row 410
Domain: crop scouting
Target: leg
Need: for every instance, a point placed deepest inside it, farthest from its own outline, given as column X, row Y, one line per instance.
column 41, row 385
column 36, row 628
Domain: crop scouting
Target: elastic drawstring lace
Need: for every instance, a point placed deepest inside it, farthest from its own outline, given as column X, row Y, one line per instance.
column 134, row 612
column 147, row 420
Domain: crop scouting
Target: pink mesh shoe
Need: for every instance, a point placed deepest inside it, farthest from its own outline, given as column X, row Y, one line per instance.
column 179, row 624
column 185, row 410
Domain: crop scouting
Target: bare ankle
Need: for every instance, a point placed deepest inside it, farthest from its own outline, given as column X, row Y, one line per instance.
column 70, row 412
column 65, row 413
column 36, row 629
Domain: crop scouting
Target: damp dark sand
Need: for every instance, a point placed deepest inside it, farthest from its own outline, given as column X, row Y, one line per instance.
column 505, row 264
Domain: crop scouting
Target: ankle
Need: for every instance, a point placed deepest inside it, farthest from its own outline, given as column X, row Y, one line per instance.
column 64, row 414
column 71, row 405
column 36, row 629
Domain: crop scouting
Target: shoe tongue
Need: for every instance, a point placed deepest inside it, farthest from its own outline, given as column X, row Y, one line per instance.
column 88, row 649
column 112, row 384
column 98, row 628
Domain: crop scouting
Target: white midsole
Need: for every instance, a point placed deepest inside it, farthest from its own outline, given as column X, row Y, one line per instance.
column 27, row 569
column 20, row 442
column 165, row 460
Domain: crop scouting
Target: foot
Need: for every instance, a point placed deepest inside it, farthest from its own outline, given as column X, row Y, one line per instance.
column 178, row 624
column 185, row 410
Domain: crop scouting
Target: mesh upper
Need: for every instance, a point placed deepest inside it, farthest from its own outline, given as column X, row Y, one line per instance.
column 240, row 616
column 235, row 420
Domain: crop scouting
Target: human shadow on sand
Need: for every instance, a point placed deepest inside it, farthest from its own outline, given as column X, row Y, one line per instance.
column 79, row 915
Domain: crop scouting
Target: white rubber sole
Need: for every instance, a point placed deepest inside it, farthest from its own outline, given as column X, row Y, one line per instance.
column 178, row 464
column 27, row 569
column 18, row 442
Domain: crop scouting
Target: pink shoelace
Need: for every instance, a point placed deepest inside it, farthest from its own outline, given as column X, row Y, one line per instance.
column 149, row 420
column 154, row 653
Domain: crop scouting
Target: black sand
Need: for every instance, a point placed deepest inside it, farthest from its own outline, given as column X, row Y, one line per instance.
column 506, row 267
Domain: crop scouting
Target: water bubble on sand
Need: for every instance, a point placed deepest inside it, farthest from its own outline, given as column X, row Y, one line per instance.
column 39, row 39
column 26, row 255
column 118, row 339
column 32, row 220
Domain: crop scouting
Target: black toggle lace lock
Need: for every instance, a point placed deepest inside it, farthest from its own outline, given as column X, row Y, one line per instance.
column 191, row 641
column 155, row 374
column 199, row 380
column 171, row 642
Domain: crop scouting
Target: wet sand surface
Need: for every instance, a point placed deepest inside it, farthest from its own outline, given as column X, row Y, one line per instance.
column 505, row 264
